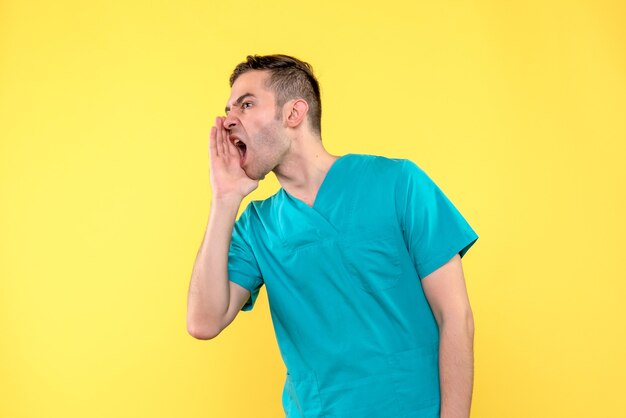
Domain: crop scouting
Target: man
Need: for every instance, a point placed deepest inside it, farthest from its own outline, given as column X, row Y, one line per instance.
column 360, row 255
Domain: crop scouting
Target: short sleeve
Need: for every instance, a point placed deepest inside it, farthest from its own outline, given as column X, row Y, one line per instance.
column 434, row 230
column 243, row 268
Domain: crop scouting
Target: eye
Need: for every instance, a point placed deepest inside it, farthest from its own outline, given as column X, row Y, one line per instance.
column 246, row 105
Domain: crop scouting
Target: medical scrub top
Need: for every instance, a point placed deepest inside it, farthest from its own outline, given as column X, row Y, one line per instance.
column 343, row 280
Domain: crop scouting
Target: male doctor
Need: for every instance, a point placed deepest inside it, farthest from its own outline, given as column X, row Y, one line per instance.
column 360, row 256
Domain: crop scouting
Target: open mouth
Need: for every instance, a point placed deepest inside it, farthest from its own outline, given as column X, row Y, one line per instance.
column 241, row 147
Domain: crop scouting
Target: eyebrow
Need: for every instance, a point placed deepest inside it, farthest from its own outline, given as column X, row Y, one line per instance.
column 239, row 100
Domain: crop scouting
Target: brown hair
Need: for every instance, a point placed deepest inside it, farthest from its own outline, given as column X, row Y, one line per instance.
column 289, row 78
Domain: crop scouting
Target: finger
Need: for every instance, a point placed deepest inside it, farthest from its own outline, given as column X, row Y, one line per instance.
column 220, row 138
column 231, row 148
column 213, row 143
column 227, row 143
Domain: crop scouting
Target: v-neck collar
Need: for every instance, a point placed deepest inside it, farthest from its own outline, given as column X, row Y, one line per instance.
column 329, row 173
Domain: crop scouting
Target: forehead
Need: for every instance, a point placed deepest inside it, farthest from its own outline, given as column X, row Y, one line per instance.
column 252, row 82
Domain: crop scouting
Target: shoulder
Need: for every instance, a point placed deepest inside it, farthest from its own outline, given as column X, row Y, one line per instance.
column 259, row 209
column 377, row 162
column 253, row 217
column 389, row 168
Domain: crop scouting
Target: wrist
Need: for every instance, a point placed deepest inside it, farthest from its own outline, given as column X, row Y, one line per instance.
column 229, row 201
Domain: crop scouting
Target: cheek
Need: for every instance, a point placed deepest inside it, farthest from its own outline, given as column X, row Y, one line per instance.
column 267, row 136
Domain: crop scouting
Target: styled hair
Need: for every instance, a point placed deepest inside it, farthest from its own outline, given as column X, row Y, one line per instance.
column 289, row 79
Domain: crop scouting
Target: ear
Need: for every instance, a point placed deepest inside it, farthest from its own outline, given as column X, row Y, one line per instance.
column 295, row 112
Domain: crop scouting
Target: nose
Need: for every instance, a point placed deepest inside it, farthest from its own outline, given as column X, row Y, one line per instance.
column 230, row 121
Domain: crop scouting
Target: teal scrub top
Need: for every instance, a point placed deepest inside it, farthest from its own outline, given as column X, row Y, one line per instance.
column 343, row 280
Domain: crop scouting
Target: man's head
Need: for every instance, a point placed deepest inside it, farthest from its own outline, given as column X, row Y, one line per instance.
column 271, row 100
column 289, row 78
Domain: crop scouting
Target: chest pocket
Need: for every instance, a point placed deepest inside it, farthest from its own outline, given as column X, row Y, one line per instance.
column 372, row 259
column 312, row 237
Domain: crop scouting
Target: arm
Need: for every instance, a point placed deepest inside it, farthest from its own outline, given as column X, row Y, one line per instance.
column 446, row 293
column 213, row 301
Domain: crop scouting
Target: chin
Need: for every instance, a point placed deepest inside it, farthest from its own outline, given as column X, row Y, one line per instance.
column 255, row 175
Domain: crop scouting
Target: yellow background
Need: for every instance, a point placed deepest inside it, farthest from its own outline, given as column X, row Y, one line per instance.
column 516, row 109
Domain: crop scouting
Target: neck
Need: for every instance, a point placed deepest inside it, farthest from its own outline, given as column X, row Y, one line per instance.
column 304, row 168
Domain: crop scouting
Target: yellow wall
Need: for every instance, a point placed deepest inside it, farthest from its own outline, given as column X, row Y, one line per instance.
column 516, row 109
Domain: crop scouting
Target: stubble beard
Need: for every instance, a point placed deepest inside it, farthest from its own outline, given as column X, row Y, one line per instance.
column 271, row 148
